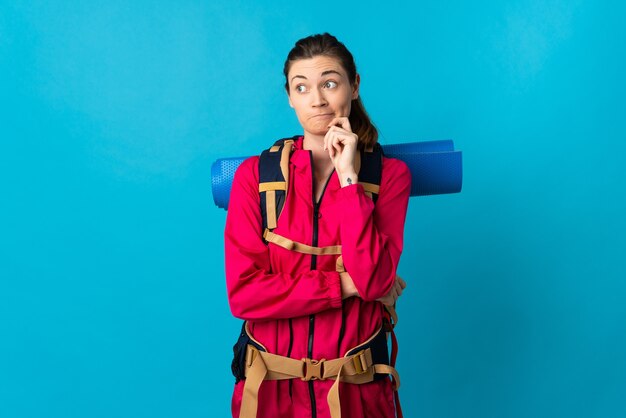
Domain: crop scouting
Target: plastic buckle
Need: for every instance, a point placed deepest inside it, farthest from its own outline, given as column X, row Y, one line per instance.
column 360, row 362
column 251, row 354
column 313, row 369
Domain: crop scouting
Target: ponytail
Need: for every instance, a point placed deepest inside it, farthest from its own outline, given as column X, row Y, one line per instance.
column 361, row 125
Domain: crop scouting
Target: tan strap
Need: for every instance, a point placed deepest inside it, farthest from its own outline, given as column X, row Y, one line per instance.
column 298, row 246
column 255, row 374
column 284, row 160
column 370, row 187
column 270, row 207
column 272, row 185
column 385, row 369
column 334, row 405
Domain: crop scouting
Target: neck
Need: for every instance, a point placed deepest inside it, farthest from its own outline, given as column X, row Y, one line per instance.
column 313, row 142
column 321, row 159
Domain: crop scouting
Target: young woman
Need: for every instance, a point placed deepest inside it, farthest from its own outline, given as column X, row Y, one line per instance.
column 304, row 306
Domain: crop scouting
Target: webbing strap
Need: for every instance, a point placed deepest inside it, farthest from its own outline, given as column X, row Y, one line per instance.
column 369, row 187
column 284, row 160
column 288, row 244
column 272, row 185
column 357, row 368
column 256, row 372
column 270, row 204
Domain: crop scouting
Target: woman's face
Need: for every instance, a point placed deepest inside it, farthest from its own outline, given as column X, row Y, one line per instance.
column 319, row 90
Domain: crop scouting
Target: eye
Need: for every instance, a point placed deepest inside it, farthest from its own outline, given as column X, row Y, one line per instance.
column 330, row 84
column 300, row 88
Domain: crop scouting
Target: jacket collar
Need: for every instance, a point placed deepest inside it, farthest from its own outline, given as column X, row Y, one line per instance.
column 300, row 157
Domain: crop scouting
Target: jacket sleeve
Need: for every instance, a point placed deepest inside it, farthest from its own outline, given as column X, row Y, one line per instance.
column 254, row 291
column 372, row 235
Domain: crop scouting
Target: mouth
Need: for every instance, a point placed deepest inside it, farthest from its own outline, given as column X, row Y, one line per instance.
column 322, row 115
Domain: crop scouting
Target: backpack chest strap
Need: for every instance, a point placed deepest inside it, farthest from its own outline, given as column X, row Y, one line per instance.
column 291, row 245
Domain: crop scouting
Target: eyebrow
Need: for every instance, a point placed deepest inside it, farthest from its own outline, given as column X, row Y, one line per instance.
column 323, row 74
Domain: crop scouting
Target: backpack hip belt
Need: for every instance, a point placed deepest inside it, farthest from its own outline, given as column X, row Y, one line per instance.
column 357, row 366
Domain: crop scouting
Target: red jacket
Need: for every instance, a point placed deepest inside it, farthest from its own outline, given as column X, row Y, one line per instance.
column 295, row 299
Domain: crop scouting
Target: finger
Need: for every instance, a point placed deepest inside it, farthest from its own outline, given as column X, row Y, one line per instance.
column 326, row 138
column 393, row 294
column 331, row 131
column 327, row 143
column 343, row 139
column 398, row 289
column 401, row 281
column 332, row 140
column 337, row 145
column 342, row 122
column 399, row 285
column 340, row 130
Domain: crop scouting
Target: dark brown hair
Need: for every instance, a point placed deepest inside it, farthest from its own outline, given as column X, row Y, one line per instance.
column 327, row 45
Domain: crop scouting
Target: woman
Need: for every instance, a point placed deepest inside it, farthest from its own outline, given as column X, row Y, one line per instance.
column 304, row 306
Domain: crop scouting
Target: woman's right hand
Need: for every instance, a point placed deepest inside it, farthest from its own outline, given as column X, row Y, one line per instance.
column 396, row 290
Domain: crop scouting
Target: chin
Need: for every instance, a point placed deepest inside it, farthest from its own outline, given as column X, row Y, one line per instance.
column 320, row 132
column 320, row 128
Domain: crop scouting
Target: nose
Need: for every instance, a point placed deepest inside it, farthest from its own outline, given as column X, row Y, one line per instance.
column 318, row 99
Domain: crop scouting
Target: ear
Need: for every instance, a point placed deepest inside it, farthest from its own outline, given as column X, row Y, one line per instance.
column 355, row 87
column 289, row 98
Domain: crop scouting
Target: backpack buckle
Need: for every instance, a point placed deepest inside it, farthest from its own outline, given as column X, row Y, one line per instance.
column 313, row 369
column 359, row 361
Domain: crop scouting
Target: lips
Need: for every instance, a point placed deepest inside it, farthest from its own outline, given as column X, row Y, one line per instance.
column 321, row 115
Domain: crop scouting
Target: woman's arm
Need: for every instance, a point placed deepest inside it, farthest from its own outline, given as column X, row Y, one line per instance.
column 372, row 235
column 254, row 292
column 371, row 238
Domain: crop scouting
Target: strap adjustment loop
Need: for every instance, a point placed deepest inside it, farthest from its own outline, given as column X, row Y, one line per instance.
column 360, row 362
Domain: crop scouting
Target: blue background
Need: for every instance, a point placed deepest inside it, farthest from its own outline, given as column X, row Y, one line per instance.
column 112, row 293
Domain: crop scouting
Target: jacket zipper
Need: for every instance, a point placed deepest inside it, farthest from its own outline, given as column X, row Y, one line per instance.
column 289, row 355
column 316, row 207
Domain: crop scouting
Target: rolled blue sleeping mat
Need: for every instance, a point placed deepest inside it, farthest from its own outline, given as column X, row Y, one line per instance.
column 436, row 168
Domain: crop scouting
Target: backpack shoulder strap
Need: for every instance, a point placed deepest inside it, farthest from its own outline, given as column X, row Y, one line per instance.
column 370, row 172
column 274, row 180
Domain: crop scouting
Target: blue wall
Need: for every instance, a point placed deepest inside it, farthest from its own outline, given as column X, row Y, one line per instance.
column 112, row 294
